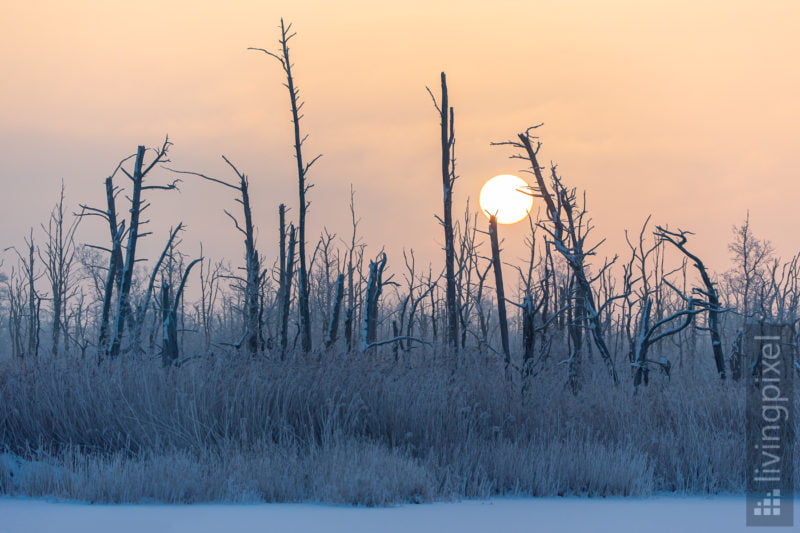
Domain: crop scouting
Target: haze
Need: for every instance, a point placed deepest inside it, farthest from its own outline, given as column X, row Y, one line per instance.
column 679, row 109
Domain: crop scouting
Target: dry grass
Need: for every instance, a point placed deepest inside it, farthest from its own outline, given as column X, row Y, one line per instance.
column 358, row 430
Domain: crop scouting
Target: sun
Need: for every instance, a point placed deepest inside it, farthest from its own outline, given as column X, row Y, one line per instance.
column 503, row 197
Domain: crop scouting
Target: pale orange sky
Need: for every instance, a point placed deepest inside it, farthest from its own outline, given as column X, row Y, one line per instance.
column 683, row 110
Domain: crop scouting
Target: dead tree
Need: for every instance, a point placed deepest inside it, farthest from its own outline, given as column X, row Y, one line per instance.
column 746, row 283
column 712, row 304
column 466, row 263
column 326, row 261
column 34, row 301
column 534, row 304
column 637, row 286
column 285, row 275
column 643, row 277
column 482, row 336
column 24, row 302
column 15, row 291
column 650, row 332
column 144, row 305
column 529, row 312
column 283, row 287
column 370, row 320
column 470, row 281
column 114, row 273
column 138, row 205
column 446, row 220
column 302, row 184
column 336, row 309
column 369, row 327
column 58, row 257
column 169, row 321
column 412, row 301
column 27, row 298
column 210, row 278
column 779, row 297
column 286, row 294
column 169, row 316
column 78, row 322
column 355, row 258
column 501, row 294
column 750, row 255
column 403, row 308
column 253, row 273
column 568, row 228
column 643, row 311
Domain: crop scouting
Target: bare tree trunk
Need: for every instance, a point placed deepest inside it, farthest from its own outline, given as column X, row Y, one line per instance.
column 115, row 262
column 412, row 299
column 58, row 258
column 108, row 290
column 369, row 329
column 17, row 304
column 141, row 311
column 287, row 293
column 501, row 295
column 253, row 274
column 679, row 239
column 25, row 302
column 355, row 254
column 448, row 179
column 169, row 338
column 34, row 300
column 302, row 184
column 137, row 206
column 528, row 336
column 348, row 328
column 333, row 327
column 209, row 293
column 569, row 231
column 123, row 298
column 283, row 287
column 736, row 359
column 575, row 325
column 170, row 350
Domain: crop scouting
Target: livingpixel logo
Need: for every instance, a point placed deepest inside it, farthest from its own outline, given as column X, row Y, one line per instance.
column 770, row 349
column 770, row 505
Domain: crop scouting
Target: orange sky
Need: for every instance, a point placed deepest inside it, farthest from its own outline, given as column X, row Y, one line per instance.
column 686, row 110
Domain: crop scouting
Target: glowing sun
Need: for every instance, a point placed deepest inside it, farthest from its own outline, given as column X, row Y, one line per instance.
column 503, row 197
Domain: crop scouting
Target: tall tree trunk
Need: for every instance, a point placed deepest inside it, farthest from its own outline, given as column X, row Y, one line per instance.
column 333, row 326
column 169, row 324
column 253, row 270
column 568, row 233
column 114, row 275
column 170, row 349
column 34, row 301
column 123, row 298
column 528, row 337
column 369, row 327
column 302, row 185
column 679, row 239
column 448, row 179
column 501, row 294
column 282, row 285
column 252, row 264
column 287, row 293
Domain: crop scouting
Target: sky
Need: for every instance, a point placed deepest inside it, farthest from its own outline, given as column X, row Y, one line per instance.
column 683, row 110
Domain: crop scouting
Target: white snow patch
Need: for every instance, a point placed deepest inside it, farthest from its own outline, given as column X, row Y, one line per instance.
column 663, row 514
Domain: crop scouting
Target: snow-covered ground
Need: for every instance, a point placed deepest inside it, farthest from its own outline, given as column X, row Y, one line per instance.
column 654, row 515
